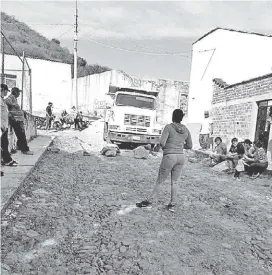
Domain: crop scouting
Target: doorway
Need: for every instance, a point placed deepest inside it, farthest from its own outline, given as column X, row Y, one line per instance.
column 264, row 122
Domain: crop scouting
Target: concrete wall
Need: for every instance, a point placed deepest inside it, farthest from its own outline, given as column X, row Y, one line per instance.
column 234, row 107
column 30, row 128
column 92, row 92
column 230, row 55
column 50, row 81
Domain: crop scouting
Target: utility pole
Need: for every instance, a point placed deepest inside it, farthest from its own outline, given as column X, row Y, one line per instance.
column 3, row 60
column 75, row 55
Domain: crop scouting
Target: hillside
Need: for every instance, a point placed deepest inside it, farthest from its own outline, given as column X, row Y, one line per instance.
column 24, row 39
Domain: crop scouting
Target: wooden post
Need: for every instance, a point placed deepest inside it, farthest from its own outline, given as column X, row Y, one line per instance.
column 23, row 74
column 30, row 91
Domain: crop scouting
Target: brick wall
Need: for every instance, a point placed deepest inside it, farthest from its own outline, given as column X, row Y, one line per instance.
column 232, row 106
column 232, row 121
column 245, row 89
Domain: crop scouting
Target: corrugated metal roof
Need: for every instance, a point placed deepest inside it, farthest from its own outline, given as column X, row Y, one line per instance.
column 232, row 30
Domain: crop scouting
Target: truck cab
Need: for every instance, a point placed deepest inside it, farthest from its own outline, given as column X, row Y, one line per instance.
column 132, row 117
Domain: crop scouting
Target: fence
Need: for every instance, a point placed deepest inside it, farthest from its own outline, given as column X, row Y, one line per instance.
column 16, row 73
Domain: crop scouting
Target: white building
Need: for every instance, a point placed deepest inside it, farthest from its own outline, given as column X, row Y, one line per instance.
column 50, row 82
column 227, row 54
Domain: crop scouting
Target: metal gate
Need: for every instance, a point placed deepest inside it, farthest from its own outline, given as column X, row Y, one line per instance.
column 263, row 124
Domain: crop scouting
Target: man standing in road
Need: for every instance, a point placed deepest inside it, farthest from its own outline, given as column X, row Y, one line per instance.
column 206, row 131
column 74, row 117
column 7, row 159
column 49, row 115
column 16, row 120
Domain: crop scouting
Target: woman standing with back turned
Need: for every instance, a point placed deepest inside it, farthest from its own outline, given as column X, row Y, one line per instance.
column 174, row 139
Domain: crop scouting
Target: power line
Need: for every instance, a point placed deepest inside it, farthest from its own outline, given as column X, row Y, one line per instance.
column 137, row 52
column 65, row 33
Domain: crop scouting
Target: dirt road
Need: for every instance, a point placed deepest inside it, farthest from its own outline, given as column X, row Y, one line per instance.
column 76, row 215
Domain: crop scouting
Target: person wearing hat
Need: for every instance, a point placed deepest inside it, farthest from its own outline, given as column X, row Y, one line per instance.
column 16, row 120
column 7, row 159
column 206, row 130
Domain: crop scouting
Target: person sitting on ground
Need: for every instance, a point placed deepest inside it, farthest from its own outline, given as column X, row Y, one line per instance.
column 219, row 153
column 5, row 154
column 249, row 148
column 249, row 153
column 232, row 156
column 174, row 139
column 16, row 120
column 240, row 161
column 259, row 163
column 63, row 117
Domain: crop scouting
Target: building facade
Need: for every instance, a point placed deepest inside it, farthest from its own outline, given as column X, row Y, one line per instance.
column 243, row 110
column 93, row 89
column 227, row 54
column 47, row 81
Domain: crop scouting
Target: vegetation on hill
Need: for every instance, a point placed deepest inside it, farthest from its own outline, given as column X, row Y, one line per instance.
column 33, row 44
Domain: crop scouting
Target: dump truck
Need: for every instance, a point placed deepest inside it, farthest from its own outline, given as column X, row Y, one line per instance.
column 132, row 117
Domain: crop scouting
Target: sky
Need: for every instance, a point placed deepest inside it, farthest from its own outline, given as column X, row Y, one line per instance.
column 151, row 39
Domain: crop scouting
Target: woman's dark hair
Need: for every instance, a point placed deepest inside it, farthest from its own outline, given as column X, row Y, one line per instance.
column 218, row 138
column 234, row 139
column 177, row 116
column 258, row 143
column 247, row 141
column 240, row 148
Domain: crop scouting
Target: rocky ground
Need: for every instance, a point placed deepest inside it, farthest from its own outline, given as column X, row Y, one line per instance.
column 77, row 215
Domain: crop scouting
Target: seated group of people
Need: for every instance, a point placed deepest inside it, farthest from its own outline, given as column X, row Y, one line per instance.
column 242, row 156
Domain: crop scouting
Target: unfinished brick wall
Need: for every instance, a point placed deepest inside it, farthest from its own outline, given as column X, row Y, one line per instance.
column 232, row 121
column 245, row 89
column 234, row 118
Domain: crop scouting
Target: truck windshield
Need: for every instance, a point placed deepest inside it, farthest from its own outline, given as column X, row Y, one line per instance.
column 135, row 101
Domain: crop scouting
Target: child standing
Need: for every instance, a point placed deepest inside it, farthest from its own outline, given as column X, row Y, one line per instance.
column 240, row 164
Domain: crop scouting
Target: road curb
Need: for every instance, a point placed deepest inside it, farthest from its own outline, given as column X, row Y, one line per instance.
column 21, row 185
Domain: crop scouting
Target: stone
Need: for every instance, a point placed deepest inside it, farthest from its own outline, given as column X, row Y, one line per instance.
column 123, row 249
column 111, row 153
column 226, row 245
column 220, row 167
column 4, row 223
column 140, row 153
column 193, row 160
column 147, row 147
column 32, row 234
column 53, row 149
column 110, row 147
column 5, row 267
